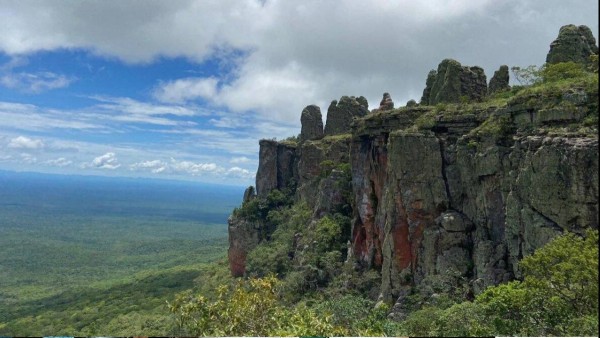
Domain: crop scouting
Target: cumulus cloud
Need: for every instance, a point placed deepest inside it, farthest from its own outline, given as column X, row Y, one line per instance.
column 239, row 172
column 155, row 166
column 295, row 53
column 59, row 162
column 241, row 159
column 106, row 161
column 185, row 167
column 182, row 90
column 22, row 142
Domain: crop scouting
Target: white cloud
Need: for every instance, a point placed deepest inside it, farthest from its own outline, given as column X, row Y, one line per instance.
column 195, row 168
column 241, row 159
column 59, row 162
column 33, row 118
column 22, row 142
column 229, row 122
column 239, row 172
column 106, row 161
column 137, row 108
column 35, row 82
column 296, row 53
column 155, row 166
column 186, row 167
column 28, row 158
column 182, row 90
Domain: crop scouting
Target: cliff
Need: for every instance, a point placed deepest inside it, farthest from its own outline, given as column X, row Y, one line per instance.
column 457, row 188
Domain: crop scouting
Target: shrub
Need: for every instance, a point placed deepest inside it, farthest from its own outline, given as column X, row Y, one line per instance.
column 561, row 71
column 247, row 308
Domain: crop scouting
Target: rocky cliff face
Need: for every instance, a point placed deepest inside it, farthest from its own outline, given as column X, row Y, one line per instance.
column 461, row 192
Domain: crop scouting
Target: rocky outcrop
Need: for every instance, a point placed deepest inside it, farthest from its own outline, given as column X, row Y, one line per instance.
column 442, row 195
column 453, row 83
column 431, row 77
column 311, row 124
column 276, row 168
column 340, row 114
column 574, row 43
column 386, row 103
column 244, row 235
column 334, row 149
column 499, row 82
column 249, row 194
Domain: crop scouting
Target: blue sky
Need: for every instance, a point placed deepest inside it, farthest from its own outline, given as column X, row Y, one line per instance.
column 185, row 89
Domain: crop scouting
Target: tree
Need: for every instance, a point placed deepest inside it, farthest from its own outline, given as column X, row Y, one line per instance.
column 247, row 308
column 559, row 293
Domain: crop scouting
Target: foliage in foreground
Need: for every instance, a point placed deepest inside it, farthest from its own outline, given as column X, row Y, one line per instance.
column 558, row 297
column 255, row 307
column 248, row 308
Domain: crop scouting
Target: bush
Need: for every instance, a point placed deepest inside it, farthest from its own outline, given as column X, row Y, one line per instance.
column 247, row 308
column 560, row 289
column 558, row 297
column 561, row 71
column 360, row 316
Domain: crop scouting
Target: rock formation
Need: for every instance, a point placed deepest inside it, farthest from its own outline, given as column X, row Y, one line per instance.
column 386, row 103
column 275, row 166
column 249, row 194
column 431, row 77
column 340, row 114
column 462, row 199
column 572, row 44
column 453, row 83
column 312, row 123
column 499, row 82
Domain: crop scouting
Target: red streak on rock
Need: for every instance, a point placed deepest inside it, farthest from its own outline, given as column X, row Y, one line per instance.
column 237, row 262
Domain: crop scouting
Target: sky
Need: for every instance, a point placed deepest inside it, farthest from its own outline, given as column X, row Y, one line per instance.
column 185, row 89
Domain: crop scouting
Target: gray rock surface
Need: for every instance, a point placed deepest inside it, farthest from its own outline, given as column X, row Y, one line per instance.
column 453, row 83
column 499, row 82
column 340, row 114
column 312, row 123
